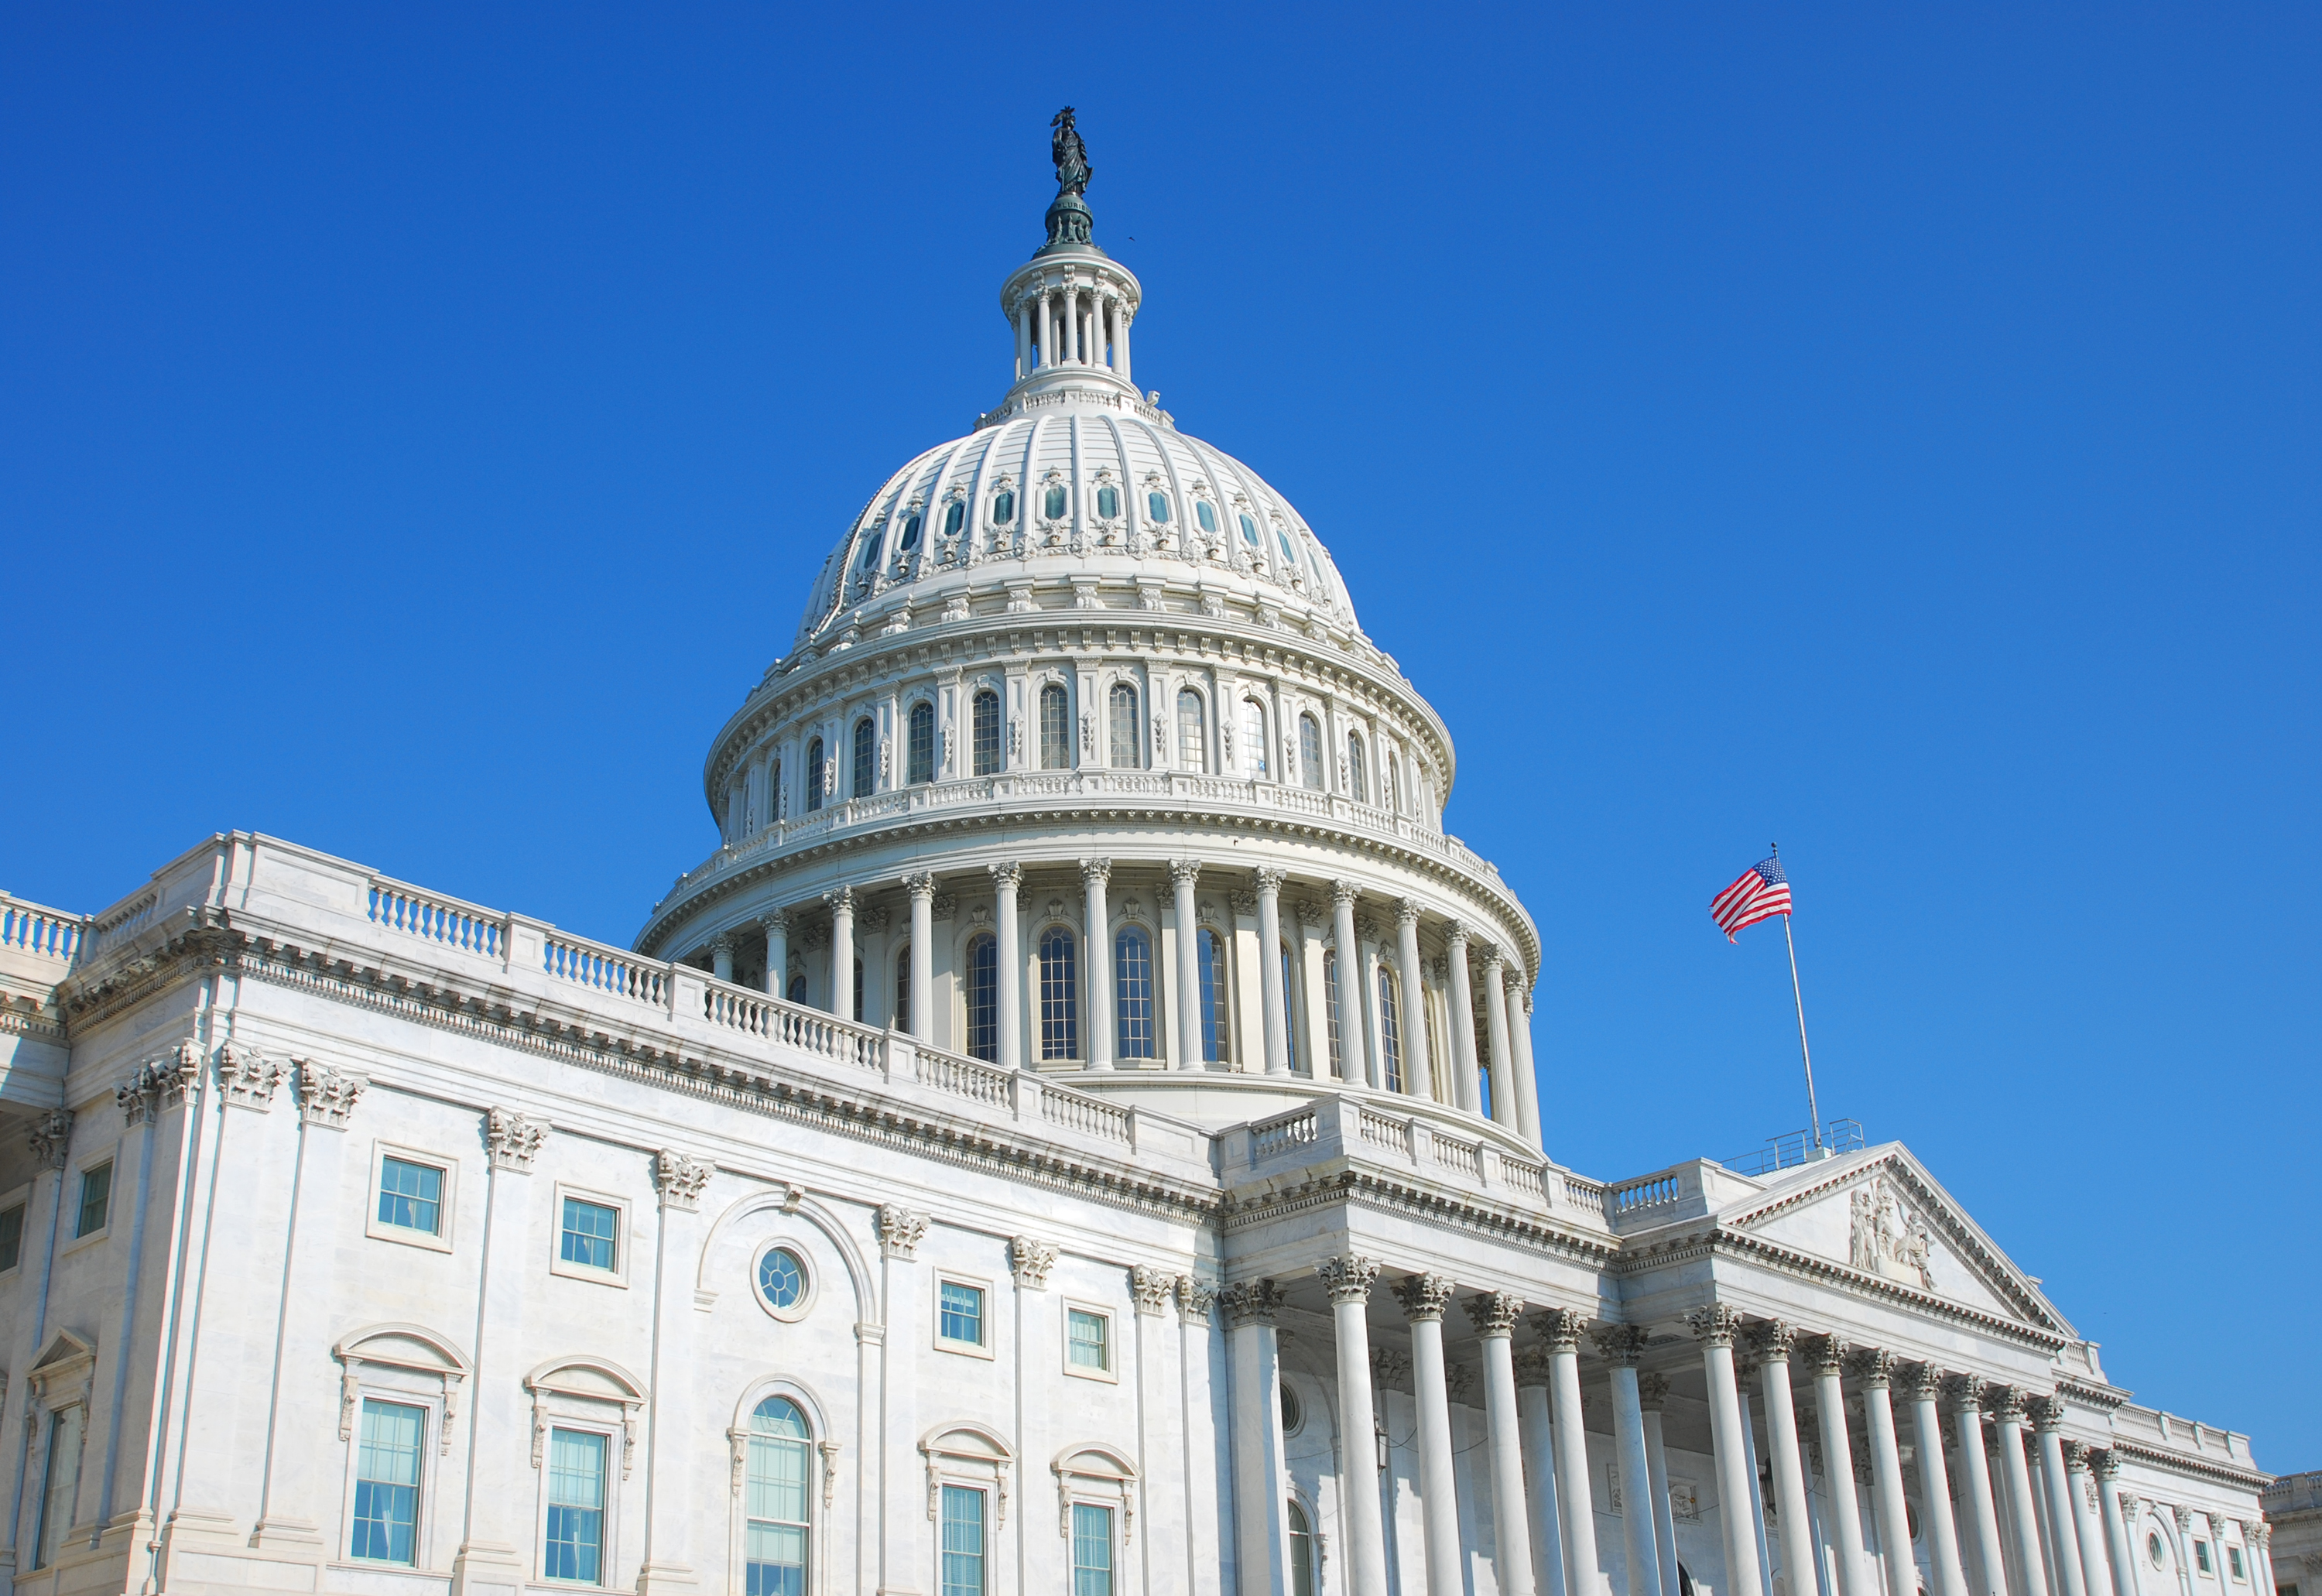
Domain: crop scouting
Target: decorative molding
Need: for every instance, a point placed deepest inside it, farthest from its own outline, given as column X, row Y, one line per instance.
column 1825, row 1354
column 51, row 1138
column 1184, row 873
column 1424, row 1297
column 1963, row 1393
column 680, row 1179
column 1715, row 1325
column 1151, row 1289
column 247, row 1077
column 2047, row 1414
column 2007, row 1404
column 1390, row 1368
column 1030, row 1261
column 1194, row 1300
column 327, row 1096
column 1253, row 1302
column 1348, row 1278
column 1560, row 1329
column 1653, row 1391
column 901, row 1231
column 1874, row 1366
column 1494, row 1314
column 1770, row 1340
column 512, row 1140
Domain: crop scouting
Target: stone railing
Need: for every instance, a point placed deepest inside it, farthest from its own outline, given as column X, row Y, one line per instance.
column 44, row 933
column 1430, row 1146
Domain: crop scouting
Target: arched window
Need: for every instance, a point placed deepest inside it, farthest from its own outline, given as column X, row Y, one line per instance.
column 1192, row 736
column 1301, row 1551
column 1482, row 1034
column 1290, row 1015
column 781, row 1450
column 797, row 993
column 774, row 792
column 1121, row 730
column 987, row 732
column 815, row 774
column 1358, row 786
column 858, row 988
column 1390, row 1029
column 1253, row 739
column 1132, row 980
column 1060, row 1006
column 1156, row 504
column 1392, row 799
column 1309, row 753
column 1212, row 956
column 1004, row 508
column 1206, row 515
column 1056, row 504
column 1431, row 1063
column 866, row 758
column 903, row 990
column 1056, row 729
column 1108, row 502
column 955, row 518
column 1331, row 1005
column 920, row 764
column 984, row 998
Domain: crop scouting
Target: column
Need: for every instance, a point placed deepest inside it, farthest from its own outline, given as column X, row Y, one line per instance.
column 1254, row 1367
column 1425, row 1297
column 1411, row 999
column 1534, row 1377
column 2005, row 1403
column 1495, row 1027
column 1828, row 1360
column 2095, row 1578
column 1121, row 343
column 777, row 927
column 1745, row 1373
column 1463, row 1018
column 1348, row 1281
column 721, row 955
column 1714, row 1328
column 1068, row 307
column 672, row 1422
column 1006, row 878
column 2258, row 1534
column 2183, row 1517
column 494, row 1548
column 1876, row 1370
column 922, row 888
column 1987, row 1567
column 1494, row 1314
column 2063, row 1535
column 1641, row 1509
column 1023, row 338
column 1772, row 1340
column 842, row 951
column 1922, row 1387
column 1098, row 960
column 1653, row 1391
column 1352, row 1055
column 2105, row 1463
column 1519, row 1061
column 1183, row 874
column 1560, row 1329
column 1269, row 969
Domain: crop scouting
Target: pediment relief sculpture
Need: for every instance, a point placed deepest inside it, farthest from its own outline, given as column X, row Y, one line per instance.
column 1885, row 1238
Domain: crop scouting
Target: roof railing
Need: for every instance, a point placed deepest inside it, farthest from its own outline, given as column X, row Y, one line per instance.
column 1796, row 1147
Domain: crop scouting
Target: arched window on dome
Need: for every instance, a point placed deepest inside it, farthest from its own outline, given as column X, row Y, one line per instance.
column 1192, row 731
column 1056, row 728
column 1003, row 506
column 1055, row 510
column 1206, row 515
column 1108, row 502
column 902, row 1004
column 920, row 763
column 1309, row 753
column 955, row 518
column 982, row 993
column 1390, row 1028
column 816, row 775
column 1358, row 786
column 1330, row 1008
column 1060, row 1004
column 1157, row 507
column 866, row 759
column 1121, row 733
column 1210, row 950
column 1253, row 739
column 986, row 731
column 1132, row 980
column 778, row 1526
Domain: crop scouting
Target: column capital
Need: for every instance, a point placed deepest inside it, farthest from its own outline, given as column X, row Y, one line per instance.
column 1653, row 1391
column 1455, row 936
column 1150, row 1290
column 1825, row 1354
column 1963, row 1393
column 900, row 1231
column 1492, row 957
column 842, row 901
column 1714, row 1325
column 723, row 943
column 1921, row 1382
column 2105, row 1462
column 1872, row 1366
column 1184, row 873
column 1006, row 877
column 1194, row 1300
column 1494, row 1313
column 2076, row 1457
column 1344, row 891
column 1252, row 1302
column 1348, row 1278
column 1517, row 984
column 1406, row 911
column 1772, row 1340
column 1424, row 1296
column 2184, row 1517
column 1621, row 1346
column 2047, row 1413
column 2132, row 1508
column 1266, row 878
column 1560, row 1327
column 775, row 922
column 680, row 1179
column 1030, row 1261
column 2005, row 1403
column 1096, row 872
column 921, row 884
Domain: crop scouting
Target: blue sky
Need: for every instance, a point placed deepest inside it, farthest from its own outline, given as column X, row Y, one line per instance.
column 1888, row 431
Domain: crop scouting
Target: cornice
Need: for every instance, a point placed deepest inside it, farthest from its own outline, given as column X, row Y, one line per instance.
column 1340, row 1184
column 2178, row 1462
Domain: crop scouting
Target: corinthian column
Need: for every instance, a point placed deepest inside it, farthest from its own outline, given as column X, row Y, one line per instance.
column 1987, row 1565
column 1923, row 1387
column 1494, row 1314
column 1560, row 1329
column 1827, row 1358
column 2005, row 1403
column 2094, row 1575
column 1876, row 1371
column 1418, row 1068
column 1423, row 1298
column 1183, row 873
column 842, row 951
column 1770, row 1340
column 1094, row 874
column 2048, row 1421
column 1653, row 1391
column 2107, row 1464
column 777, row 927
column 1533, row 1380
column 1495, row 1024
column 1519, row 1064
column 1006, row 878
column 922, row 888
column 1353, row 1056
column 1714, row 1328
column 1463, row 1019
column 1348, row 1281
column 1254, row 1365
column 1269, row 969
column 1642, row 1510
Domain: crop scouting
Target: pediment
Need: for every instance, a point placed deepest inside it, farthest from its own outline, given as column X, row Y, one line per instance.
column 1880, row 1214
column 586, row 1377
column 403, row 1346
column 68, row 1350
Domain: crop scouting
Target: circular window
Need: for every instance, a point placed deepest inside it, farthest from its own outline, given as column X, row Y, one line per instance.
column 782, row 1284
column 2153, row 1550
column 1291, row 1414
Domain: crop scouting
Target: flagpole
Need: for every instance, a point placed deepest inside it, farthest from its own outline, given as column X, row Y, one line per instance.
column 1813, row 1111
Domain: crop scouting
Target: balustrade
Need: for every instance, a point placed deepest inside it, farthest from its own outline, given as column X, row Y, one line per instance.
column 46, row 933
column 439, row 920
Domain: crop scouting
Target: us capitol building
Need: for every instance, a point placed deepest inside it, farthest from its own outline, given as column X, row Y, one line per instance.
column 1077, row 1134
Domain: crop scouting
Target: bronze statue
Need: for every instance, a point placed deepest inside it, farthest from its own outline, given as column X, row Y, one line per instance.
column 1071, row 155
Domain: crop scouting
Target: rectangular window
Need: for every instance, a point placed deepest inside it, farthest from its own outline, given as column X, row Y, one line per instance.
column 1088, row 1339
column 575, row 1548
column 1330, row 1007
column 2201, row 1555
column 12, row 1238
column 1092, row 1550
column 1124, row 743
column 962, row 1573
column 2234, row 1563
column 1253, row 739
column 411, row 1195
column 387, row 1482
column 61, row 1481
column 590, row 1229
column 96, row 1200
column 960, row 1313
column 1056, row 730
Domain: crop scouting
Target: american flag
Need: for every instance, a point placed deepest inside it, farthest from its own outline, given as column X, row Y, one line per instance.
column 1760, row 893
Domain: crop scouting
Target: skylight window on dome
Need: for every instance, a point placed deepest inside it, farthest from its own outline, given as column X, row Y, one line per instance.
column 1108, row 502
column 1249, row 533
column 911, row 524
column 1156, row 504
column 1205, row 515
column 955, row 518
column 1003, row 506
column 870, row 551
column 1289, row 554
column 1056, row 506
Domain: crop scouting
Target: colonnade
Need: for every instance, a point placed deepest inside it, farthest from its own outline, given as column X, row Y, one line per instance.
column 1475, row 969
column 1073, row 324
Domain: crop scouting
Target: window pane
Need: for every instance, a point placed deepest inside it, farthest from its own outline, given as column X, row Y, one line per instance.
column 387, row 1482
column 1056, row 729
column 588, row 1233
column 782, row 1282
column 1253, row 738
column 1060, row 1026
column 1212, row 954
column 1358, row 786
column 1123, row 753
column 1132, row 967
column 866, row 758
column 1192, row 743
column 922, row 758
column 575, row 1542
column 1156, row 504
column 1310, row 751
column 903, row 990
column 815, row 775
column 62, row 1476
column 1092, row 1550
column 12, row 1236
column 960, row 1313
column 1004, row 508
column 962, row 1542
column 910, row 539
column 987, row 733
column 1108, row 502
column 777, row 1484
column 1302, row 1553
column 410, row 1195
column 96, row 1200
column 1056, row 507
column 1205, row 515
column 1390, row 1029
column 1331, row 1005
column 955, row 518
column 984, row 998
column 1087, row 1333
column 1290, row 1015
